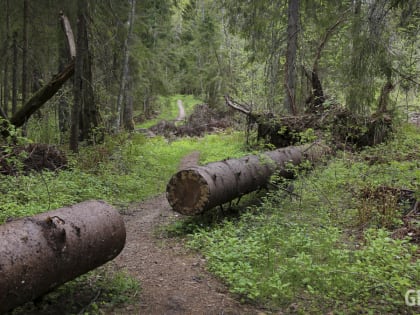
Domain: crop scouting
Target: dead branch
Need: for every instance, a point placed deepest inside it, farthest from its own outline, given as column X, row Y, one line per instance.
column 42, row 96
column 235, row 105
column 65, row 24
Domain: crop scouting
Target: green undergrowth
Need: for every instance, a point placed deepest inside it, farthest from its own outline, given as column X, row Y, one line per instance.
column 96, row 292
column 169, row 108
column 324, row 248
column 126, row 168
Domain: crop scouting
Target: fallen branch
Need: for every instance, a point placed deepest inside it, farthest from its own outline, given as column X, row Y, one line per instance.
column 239, row 107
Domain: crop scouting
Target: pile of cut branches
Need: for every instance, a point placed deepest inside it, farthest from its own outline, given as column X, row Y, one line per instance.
column 22, row 159
column 204, row 119
column 346, row 128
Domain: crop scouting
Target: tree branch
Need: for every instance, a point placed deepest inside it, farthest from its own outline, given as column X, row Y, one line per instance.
column 42, row 95
column 65, row 24
column 239, row 107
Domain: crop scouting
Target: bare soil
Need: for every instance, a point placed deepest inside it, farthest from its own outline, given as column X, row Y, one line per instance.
column 173, row 279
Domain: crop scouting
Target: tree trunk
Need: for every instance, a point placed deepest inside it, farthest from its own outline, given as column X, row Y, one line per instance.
column 78, row 82
column 317, row 97
column 85, row 115
column 42, row 95
column 128, row 107
column 6, row 94
column 124, row 75
column 42, row 252
column 384, row 97
column 352, row 95
column 25, row 49
column 14, row 74
column 290, row 66
column 65, row 25
column 66, row 50
column 196, row 189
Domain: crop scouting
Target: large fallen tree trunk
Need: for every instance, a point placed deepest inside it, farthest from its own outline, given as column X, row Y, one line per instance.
column 39, row 253
column 196, row 189
column 345, row 128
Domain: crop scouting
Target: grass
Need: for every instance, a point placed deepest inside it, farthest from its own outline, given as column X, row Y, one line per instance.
column 96, row 292
column 126, row 168
column 323, row 250
column 169, row 109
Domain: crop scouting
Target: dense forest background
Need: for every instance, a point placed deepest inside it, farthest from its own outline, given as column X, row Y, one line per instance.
column 88, row 110
column 273, row 55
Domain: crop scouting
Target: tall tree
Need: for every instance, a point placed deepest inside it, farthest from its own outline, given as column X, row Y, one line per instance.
column 127, row 114
column 6, row 93
column 85, row 115
column 66, row 51
column 15, row 74
column 25, row 49
column 291, row 50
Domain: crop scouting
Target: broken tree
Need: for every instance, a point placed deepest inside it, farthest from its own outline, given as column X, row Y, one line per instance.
column 196, row 189
column 46, row 92
column 42, row 252
column 343, row 126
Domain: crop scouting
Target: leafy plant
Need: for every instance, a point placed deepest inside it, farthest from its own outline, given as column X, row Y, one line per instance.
column 91, row 293
column 315, row 251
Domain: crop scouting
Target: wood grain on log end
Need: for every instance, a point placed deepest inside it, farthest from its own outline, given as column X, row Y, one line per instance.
column 188, row 192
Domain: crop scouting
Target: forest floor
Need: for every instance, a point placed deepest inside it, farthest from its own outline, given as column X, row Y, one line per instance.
column 173, row 279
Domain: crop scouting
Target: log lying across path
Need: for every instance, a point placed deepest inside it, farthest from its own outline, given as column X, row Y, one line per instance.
column 42, row 252
column 197, row 189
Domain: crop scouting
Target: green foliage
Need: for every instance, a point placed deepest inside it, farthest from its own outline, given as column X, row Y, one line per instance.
column 89, row 294
column 125, row 168
column 310, row 251
column 169, row 110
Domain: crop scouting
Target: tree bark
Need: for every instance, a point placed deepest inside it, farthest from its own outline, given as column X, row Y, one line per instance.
column 6, row 94
column 317, row 97
column 15, row 74
column 85, row 115
column 42, row 95
column 25, row 49
column 193, row 190
column 66, row 50
column 42, row 252
column 65, row 25
column 290, row 66
column 125, row 72
column 128, row 107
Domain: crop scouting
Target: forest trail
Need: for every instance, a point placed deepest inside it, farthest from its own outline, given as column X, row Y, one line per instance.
column 173, row 279
column 181, row 111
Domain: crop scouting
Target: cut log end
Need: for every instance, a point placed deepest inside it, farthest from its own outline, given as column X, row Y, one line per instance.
column 188, row 192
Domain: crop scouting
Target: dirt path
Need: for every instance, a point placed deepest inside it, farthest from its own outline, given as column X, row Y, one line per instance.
column 173, row 280
column 181, row 111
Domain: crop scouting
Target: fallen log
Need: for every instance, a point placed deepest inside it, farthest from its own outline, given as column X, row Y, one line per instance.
column 196, row 189
column 42, row 252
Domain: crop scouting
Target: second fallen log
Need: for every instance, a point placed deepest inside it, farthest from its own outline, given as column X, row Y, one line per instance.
column 196, row 189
